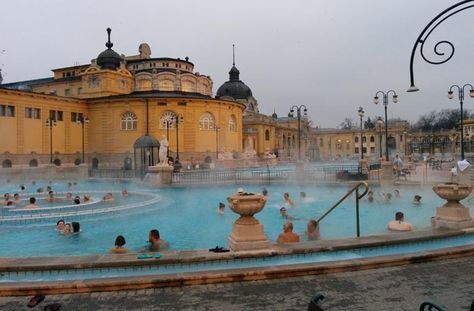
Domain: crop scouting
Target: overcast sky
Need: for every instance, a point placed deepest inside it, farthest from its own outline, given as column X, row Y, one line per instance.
column 331, row 56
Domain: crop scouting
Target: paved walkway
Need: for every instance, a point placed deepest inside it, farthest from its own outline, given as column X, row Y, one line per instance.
column 449, row 283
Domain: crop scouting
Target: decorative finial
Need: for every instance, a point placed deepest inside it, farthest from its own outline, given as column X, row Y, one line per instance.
column 233, row 55
column 109, row 44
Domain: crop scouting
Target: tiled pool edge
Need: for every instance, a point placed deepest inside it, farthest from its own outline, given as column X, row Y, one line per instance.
column 192, row 256
column 230, row 275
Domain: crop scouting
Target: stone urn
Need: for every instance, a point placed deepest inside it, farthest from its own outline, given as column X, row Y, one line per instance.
column 247, row 232
column 453, row 214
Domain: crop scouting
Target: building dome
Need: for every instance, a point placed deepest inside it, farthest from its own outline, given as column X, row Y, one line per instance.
column 234, row 87
column 109, row 59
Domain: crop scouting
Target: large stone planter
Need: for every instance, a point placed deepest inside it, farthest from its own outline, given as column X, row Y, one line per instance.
column 453, row 214
column 247, row 232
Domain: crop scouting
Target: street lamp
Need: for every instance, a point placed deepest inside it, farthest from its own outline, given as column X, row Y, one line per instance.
column 380, row 122
column 385, row 104
column 361, row 115
column 50, row 123
column 298, row 115
column 168, row 124
column 461, row 99
column 217, row 128
column 405, row 133
column 82, row 120
column 176, row 119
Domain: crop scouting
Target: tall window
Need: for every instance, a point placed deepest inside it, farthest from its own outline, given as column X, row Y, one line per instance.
column 206, row 122
column 267, row 135
column 32, row 113
column 128, row 121
column 356, row 139
column 168, row 120
column 7, row 111
column 232, row 124
column 75, row 116
column 56, row 115
column 372, row 139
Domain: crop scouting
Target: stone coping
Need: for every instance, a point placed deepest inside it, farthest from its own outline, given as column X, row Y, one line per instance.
column 229, row 275
column 190, row 256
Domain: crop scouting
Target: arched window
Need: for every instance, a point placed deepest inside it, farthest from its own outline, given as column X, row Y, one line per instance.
column 356, row 139
column 7, row 163
column 168, row 120
column 57, row 162
column 232, row 124
column 206, row 122
column 364, row 139
column 95, row 163
column 77, row 161
column 372, row 139
column 33, row 163
column 267, row 135
column 128, row 121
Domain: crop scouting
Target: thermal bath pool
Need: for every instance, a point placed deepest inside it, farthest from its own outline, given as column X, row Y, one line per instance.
column 186, row 217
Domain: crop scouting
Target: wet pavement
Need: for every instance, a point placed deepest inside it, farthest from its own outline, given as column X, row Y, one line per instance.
column 449, row 283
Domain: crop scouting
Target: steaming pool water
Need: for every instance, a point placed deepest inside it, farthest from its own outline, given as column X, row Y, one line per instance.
column 186, row 216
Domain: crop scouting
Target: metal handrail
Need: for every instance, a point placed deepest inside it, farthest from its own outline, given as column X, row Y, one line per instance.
column 358, row 197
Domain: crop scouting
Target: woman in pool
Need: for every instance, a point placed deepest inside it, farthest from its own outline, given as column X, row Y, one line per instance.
column 69, row 196
column 108, row 197
column 77, row 200
column 288, row 201
column 16, row 199
column 67, row 229
column 86, row 198
column 417, row 199
column 60, row 225
column 124, row 193
column 119, row 246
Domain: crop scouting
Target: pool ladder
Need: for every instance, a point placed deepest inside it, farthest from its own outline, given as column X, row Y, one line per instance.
column 358, row 196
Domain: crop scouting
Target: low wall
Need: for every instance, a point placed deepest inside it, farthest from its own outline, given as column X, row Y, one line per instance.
column 46, row 172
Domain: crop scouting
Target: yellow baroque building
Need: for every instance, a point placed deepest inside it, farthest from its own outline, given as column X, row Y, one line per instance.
column 105, row 107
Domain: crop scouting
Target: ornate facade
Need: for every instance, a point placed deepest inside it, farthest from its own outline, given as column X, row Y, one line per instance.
column 123, row 98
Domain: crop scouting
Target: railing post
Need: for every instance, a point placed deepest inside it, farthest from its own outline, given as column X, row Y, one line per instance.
column 357, row 211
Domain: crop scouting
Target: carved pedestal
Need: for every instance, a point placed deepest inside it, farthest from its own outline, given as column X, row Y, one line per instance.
column 159, row 175
column 453, row 214
column 247, row 233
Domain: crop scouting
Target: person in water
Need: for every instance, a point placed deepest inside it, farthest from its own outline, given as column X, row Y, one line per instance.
column 284, row 214
column 370, row 196
column 417, row 199
column 288, row 236
column 108, row 197
column 119, row 246
column 32, row 203
column 16, row 199
column 77, row 200
column 60, row 225
column 124, row 193
column 67, row 229
column 220, row 209
column 312, row 230
column 399, row 223
column 156, row 243
column 288, row 201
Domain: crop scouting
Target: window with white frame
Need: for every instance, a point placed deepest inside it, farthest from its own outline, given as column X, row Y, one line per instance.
column 232, row 124
column 206, row 122
column 128, row 121
column 168, row 120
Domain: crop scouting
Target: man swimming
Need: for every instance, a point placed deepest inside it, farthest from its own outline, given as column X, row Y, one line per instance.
column 399, row 223
column 32, row 203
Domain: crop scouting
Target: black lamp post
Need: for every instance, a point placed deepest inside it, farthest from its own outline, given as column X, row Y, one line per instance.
column 168, row 124
column 385, row 104
column 298, row 109
column 361, row 115
column 405, row 134
column 176, row 117
column 217, row 128
column 380, row 122
column 83, row 121
column 50, row 123
column 461, row 99
column 422, row 38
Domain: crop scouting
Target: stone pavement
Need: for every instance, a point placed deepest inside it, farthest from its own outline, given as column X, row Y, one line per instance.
column 449, row 283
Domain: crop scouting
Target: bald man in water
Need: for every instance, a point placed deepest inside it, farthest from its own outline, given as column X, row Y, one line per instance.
column 288, row 236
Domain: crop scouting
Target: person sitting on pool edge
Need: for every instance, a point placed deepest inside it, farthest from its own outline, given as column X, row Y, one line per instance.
column 399, row 223
column 32, row 203
column 156, row 244
column 312, row 230
column 288, row 236
column 119, row 246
